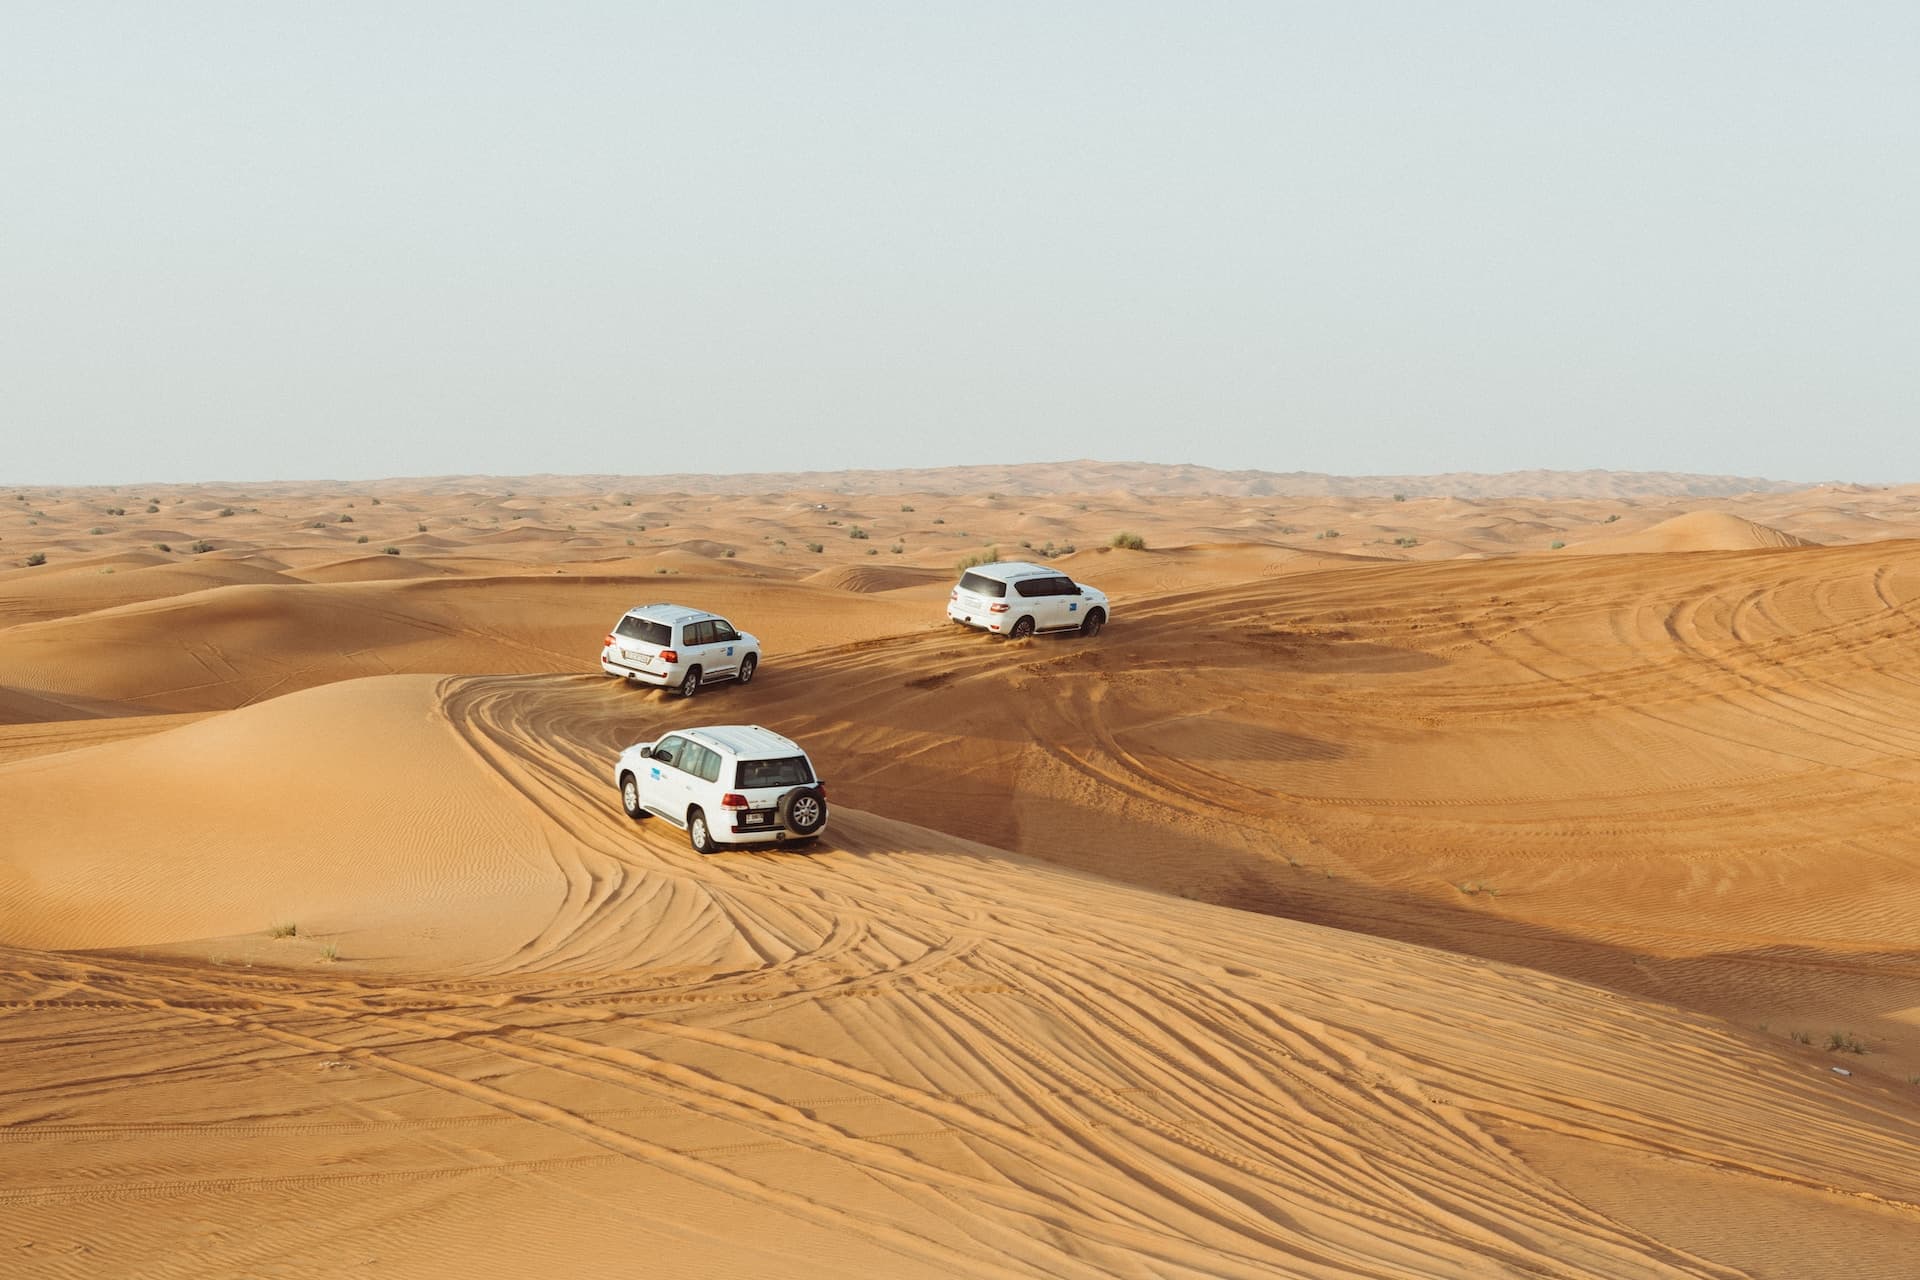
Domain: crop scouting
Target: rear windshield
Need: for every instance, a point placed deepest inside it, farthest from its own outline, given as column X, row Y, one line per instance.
column 992, row 588
column 645, row 629
column 790, row 771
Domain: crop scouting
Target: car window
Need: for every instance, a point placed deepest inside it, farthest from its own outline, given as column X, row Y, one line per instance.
column 703, row 762
column 788, row 771
column 1031, row 587
column 723, row 632
column 699, row 633
column 669, row 750
column 1063, row 587
column 646, row 630
column 981, row 585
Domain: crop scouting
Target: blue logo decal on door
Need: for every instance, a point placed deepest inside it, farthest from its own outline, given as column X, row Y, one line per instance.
column 1074, row 607
column 729, row 651
column 656, row 773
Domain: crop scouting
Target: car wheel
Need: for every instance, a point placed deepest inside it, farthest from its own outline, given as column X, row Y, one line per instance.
column 697, row 833
column 690, row 683
column 747, row 665
column 803, row 811
column 630, row 797
column 1022, row 629
column 1090, row 626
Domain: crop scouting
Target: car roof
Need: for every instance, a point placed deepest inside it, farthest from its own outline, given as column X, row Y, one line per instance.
column 1010, row 570
column 669, row 613
column 745, row 741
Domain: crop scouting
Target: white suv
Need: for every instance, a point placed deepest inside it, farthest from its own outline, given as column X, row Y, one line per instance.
column 1015, row 599
column 673, row 646
column 726, row 784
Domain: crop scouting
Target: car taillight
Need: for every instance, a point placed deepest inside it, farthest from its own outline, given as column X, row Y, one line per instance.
column 608, row 642
column 954, row 594
column 999, row 606
column 820, row 785
column 733, row 800
column 669, row 656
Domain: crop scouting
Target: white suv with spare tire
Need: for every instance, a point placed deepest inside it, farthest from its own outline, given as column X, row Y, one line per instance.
column 1015, row 599
column 729, row 784
column 673, row 646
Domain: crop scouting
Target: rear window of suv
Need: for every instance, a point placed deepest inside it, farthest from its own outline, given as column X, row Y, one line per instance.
column 645, row 630
column 789, row 771
column 992, row 588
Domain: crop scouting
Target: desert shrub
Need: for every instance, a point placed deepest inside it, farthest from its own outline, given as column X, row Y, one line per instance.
column 1406, row 541
column 857, row 533
column 376, row 502
column 939, row 520
column 389, row 551
column 152, row 508
column 729, row 553
column 1025, row 545
column 1843, row 1042
column 833, row 522
column 815, row 547
column 36, row 557
column 330, row 952
column 897, row 549
column 96, row 531
column 200, row 547
column 420, row 526
column 161, row 546
column 284, row 930
column 226, row 511
column 344, row 519
column 1326, row 533
column 1610, row 519
column 906, row 506
column 1399, row 497
column 988, row 556
column 873, row 551
column 361, row 538
column 1128, row 541
column 1555, row 545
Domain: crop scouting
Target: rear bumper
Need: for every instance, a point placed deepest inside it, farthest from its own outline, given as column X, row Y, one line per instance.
column 989, row 622
column 612, row 668
column 758, row 835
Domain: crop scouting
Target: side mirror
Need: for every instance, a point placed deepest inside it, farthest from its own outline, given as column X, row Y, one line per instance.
column 646, row 753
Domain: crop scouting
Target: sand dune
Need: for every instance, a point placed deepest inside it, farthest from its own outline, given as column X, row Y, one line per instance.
column 1347, row 908
column 1695, row 531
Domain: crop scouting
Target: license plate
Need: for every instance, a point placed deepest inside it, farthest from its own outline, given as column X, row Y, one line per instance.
column 760, row 819
column 639, row 658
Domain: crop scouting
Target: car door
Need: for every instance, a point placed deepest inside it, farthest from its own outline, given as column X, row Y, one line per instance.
column 1068, row 605
column 664, row 788
column 698, row 649
column 726, row 647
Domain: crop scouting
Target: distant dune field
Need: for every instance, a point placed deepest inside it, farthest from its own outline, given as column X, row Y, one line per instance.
column 1411, row 881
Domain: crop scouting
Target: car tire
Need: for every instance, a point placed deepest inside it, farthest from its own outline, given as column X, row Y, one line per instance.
column 803, row 811
column 698, row 834
column 630, row 797
column 1021, row 629
column 690, row 683
column 747, row 666
column 1091, row 624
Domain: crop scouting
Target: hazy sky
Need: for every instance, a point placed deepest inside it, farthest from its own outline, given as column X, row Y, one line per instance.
column 263, row 241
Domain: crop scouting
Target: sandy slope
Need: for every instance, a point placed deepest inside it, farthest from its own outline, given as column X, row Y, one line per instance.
column 1026, row 1072
column 1348, row 909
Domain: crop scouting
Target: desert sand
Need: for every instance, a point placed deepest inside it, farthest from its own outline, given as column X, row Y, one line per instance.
column 1484, row 881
